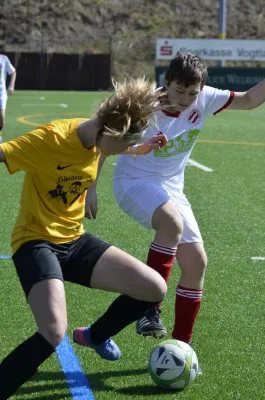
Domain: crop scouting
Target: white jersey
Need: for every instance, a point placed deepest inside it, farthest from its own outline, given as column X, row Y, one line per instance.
column 167, row 165
column 5, row 68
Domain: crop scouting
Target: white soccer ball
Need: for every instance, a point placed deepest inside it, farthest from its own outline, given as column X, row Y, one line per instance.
column 173, row 364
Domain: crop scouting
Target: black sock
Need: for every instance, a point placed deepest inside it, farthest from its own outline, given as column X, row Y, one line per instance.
column 22, row 363
column 122, row 312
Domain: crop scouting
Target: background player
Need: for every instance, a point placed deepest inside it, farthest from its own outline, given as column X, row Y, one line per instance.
column 5, row 68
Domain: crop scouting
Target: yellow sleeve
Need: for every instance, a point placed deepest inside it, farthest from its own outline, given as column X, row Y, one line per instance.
column 26, row 153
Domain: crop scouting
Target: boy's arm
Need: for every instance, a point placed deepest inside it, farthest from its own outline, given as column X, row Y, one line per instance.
column 253, row 98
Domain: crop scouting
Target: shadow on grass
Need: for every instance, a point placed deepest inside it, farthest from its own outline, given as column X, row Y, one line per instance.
column 50, row 381
column 97, row 382
column 55, row 381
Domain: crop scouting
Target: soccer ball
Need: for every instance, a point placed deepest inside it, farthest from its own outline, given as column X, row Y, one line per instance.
column 173, row 364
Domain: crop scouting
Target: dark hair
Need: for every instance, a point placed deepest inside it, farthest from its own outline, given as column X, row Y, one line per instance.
column 187, row 69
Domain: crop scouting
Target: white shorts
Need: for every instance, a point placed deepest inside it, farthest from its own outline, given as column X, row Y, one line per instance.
column 139, row 198
column 3, row 100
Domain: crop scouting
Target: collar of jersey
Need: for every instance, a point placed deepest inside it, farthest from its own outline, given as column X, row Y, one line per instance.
column 169, row 114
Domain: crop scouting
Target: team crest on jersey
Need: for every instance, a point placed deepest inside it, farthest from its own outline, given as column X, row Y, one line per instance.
column 194, row 117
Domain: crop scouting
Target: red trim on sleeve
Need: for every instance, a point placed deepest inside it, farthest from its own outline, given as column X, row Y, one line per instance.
column 229, row 101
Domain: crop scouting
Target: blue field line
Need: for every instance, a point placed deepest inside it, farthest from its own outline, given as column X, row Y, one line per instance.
column 3, row 256
column 77, row 381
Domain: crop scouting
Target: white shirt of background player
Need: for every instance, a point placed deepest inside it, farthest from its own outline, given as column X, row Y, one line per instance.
column 6, row 68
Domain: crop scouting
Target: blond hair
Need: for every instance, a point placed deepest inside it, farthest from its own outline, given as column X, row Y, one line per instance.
column 126, row 114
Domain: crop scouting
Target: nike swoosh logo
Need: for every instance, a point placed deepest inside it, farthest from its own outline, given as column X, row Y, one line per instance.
column 59, row 167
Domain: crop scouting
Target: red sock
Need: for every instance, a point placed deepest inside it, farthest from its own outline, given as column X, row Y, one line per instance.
column 187, row 307
column 161, row 258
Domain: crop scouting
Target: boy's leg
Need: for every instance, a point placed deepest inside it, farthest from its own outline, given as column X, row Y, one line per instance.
column 150, row 205
column 167, row 222
column 192, row 261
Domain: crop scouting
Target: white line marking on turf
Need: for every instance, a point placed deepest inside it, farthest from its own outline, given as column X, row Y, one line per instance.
column 258, row 258
column 45, row 105
column 27, row 97
column 194, row 163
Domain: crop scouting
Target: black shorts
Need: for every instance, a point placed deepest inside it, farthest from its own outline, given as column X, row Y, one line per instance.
column 38, row 260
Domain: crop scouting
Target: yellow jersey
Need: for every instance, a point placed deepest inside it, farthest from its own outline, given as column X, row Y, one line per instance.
column 58, row 171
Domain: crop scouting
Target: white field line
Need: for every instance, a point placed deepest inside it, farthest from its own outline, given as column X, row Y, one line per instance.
column 17, row 97
column 45, row 105
column 194, row 163
column 258, row 258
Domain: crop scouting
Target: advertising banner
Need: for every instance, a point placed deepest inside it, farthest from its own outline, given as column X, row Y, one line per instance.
column 212, row 49
column 236, row 79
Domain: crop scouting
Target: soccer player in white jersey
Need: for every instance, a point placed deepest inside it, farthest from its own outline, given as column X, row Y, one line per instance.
column 149, row 188
column 5, row 68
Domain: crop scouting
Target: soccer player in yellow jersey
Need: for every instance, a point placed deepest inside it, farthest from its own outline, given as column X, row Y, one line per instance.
column 49, row 243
